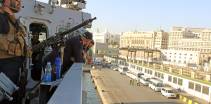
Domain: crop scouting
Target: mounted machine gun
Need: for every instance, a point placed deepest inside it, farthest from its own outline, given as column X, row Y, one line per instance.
column 59, row 36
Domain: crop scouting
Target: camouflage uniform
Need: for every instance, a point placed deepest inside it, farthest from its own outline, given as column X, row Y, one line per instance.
column 12, row 48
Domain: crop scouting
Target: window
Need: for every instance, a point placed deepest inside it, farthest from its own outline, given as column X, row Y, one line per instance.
column 156, row 74
column 198, row 87
column 159, row 75
column 180, row 81
column 170, row 78
column 150, row 72
column 175, row 80
column 205, row 90
column 191, row 85
column 162, row 76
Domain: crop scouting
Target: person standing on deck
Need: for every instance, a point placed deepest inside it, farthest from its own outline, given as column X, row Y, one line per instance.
column 73, row 51
column 12, row 44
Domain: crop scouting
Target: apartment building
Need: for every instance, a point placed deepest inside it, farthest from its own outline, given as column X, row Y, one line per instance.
column 143, row 45
column 190, row 39
column 147, row 40
column 181, row 57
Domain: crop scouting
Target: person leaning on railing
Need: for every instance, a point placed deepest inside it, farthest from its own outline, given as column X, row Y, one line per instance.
column 73, row 51
column 13, row 48
column 86, row 52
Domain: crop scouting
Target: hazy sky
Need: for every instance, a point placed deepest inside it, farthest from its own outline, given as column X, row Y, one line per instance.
column 144, row 15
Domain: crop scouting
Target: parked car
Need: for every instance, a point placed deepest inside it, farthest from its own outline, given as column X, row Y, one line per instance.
column 155, row 84
column 168, row 92
column 115, row 69
column 98, row 63
column 145, row 80
column 106, row 65
column 123, row 69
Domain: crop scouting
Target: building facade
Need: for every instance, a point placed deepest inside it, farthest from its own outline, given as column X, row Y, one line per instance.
column 146, row 40
column 190, row 39
column 181, row 57
column 104, row 42
column 143, row 45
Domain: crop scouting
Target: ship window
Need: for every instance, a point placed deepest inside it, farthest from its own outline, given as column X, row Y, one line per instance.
column 170, row 78
column 205, row 90
column 198, row 87
column 191, row 85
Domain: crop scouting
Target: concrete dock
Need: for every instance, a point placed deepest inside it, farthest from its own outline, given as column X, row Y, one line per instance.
column 115, row 88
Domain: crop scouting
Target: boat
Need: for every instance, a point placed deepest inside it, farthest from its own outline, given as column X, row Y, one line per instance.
column 47, row 20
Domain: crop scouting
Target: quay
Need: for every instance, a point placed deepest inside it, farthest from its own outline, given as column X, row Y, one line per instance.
column 115, row 88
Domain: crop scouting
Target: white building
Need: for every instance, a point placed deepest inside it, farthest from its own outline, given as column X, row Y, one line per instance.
column 101, row 37
column 181, row 57
column 100, row 49
column 100, row 46
column 207, row 66
column 103, row 40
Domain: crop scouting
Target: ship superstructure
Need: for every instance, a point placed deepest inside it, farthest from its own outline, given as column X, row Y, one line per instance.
column 45, row 20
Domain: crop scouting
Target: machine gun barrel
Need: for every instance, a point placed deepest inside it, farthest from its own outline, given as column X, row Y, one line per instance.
column 57, row 38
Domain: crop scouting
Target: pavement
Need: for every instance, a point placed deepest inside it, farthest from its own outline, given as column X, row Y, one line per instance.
column 115, row 88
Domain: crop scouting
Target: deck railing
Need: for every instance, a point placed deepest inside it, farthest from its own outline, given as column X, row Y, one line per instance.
column 70, row 89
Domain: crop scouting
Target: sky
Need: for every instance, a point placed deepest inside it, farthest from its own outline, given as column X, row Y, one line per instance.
column 147, row 15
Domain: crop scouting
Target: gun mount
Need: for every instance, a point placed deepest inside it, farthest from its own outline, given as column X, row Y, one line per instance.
column 59, row 36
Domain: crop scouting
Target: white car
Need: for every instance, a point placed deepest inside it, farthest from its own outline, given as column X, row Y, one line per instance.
column 123, row 73
column 115, row 69
column 145, row 82
column 168, row 92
